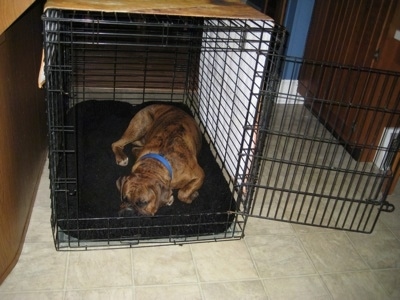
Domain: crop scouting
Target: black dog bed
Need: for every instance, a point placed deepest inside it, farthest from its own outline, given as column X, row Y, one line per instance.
column 90, row 210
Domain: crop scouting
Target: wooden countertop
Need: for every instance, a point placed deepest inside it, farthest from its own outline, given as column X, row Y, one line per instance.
column 231, row 9
column 10, row 11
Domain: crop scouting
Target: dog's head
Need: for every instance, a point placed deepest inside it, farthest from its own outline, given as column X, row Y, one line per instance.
column 142, row 195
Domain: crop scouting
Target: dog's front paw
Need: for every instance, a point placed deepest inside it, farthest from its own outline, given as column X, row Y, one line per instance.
column 170, row 201
column 123, row 162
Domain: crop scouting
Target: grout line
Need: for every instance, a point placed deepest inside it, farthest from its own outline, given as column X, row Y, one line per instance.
column 317, row 272
column 199, row 283
column 66, row 274
column 370, row 269
column 132, row 270
column 255, row 267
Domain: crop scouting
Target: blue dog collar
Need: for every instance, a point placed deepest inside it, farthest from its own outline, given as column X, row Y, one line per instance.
column 161, row 159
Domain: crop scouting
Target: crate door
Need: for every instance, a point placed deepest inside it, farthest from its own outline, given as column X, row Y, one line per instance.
column 306, row 172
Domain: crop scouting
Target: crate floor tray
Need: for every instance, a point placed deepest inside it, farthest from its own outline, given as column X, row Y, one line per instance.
column 87, row 201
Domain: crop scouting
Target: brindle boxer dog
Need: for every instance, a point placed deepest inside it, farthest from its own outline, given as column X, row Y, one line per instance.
column 166, row 141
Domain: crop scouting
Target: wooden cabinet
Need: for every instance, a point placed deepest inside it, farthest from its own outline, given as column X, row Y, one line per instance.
column 22, row 132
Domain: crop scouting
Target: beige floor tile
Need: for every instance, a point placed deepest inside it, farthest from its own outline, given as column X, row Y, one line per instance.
column 100, row 294
column 39, row 229
column 223, row 261
column 163, row 265
column 43, row 196
column 240, row 290
column 298, row 228
column 390, row 280
column 396, row 232
column 354, row 285
column 257, row 226
column 40, row 267
column 392, row 220
column 43, row 191
column 59, row 295
column 332, row 252
column 171, row 292
column 380, row 249
column 315, row 229
column 381, row 225
column 279, row 256
column 99, row 269
column 306, row 287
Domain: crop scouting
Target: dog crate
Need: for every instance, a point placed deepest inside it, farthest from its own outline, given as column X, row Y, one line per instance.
column 277, row 143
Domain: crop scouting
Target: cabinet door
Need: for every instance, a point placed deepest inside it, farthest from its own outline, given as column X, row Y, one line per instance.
column 349, row 33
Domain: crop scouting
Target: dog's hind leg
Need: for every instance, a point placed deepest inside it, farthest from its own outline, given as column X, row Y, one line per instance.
column 134, row 134
column 189, row 192
column 120, row 157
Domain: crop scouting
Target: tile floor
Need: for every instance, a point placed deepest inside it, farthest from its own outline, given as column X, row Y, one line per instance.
column 274, row 261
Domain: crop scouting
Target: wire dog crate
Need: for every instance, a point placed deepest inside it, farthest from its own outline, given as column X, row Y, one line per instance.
column 273, row 146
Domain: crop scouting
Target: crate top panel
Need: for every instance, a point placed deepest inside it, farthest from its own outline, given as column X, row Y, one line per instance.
column 231, row 9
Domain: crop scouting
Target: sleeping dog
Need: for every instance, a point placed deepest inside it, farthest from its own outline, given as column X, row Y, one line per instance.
column 166, row 141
